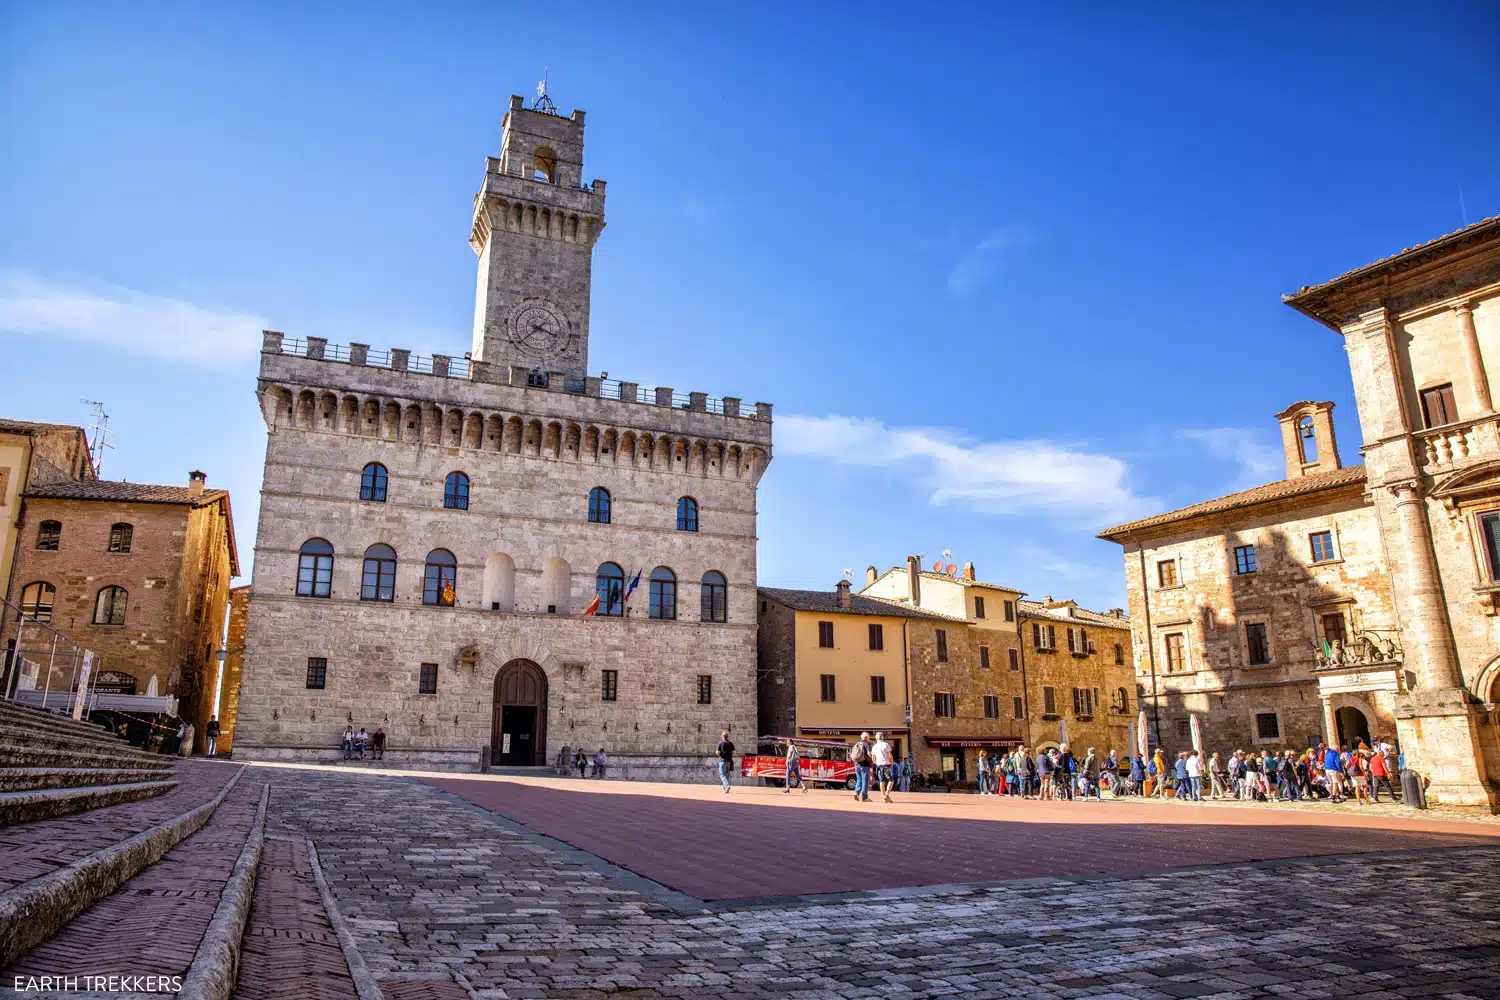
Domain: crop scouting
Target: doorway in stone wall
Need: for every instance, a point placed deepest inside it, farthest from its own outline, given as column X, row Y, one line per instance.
column 518, row 737
column 1354, row 728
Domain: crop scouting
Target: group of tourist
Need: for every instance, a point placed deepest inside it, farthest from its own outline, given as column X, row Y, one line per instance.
column 356, row 745
column 600, row 762
column 1321, row 772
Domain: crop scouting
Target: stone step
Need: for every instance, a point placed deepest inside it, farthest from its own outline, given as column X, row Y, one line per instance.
column 182, row 916
column 11, row 711
column 48, row 803
column 21, row 779
column 13, row 755
column 67, row 865
column 41, row 736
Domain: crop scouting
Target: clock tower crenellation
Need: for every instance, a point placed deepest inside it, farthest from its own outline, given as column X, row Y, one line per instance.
column 535, row 224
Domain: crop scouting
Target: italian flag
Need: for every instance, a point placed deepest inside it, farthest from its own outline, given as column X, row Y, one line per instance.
column 593, row 606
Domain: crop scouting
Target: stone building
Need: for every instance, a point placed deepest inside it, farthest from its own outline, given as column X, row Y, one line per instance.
column 1422, row 330
column 1079, row 676
column 1345, row 602
column 450, row 548
column 138, row 574
column 234, row 665
column 32, row 454
column 833, row 664
column 968, row 692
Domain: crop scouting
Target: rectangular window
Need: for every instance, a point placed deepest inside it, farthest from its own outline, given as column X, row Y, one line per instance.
column 984, row 657
column 825, row 635
column 978, row 607
column 1489, row 526
column 991, row 706
column 49, row 536
column 1010, row 611
column 944, row 705
column 1258, row 645
column 1183, row 728
column 1166, row 573
column 1049, row 700
column 1083, row 702
column 1333, row 629
column 1267, row 726
column 1015, row 659
column 1072, row 642
column 427, row 682
column 1437, row 405
column 1322, row 546
column 942, row 645
column 119, row 537
column 1043, row 636
column 1018, row 707
column 610, row 687
column 705, row 689
column 877, row 637
column 1244, row 559
column 827, row 687
column 1175, row 659
column 877, row 689
column 317, row 672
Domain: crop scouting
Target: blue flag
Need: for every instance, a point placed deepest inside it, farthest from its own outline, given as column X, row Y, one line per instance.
column 634, row 582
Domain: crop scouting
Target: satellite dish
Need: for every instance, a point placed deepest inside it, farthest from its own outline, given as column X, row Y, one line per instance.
column 951, row 569
column 937, row 567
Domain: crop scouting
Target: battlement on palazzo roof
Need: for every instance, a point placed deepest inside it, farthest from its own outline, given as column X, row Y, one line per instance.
column 464, row 369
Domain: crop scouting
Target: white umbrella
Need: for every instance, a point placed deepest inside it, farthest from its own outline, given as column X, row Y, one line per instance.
column 1143, row 735
column 1197, row 731
column 1062, row 732
column 1130, row 741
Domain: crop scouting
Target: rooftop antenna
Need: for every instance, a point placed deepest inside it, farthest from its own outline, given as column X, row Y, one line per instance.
column 848, row 573
column 98, row 438
column 543, row 103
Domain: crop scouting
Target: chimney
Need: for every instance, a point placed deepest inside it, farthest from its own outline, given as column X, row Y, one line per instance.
column 914, row 581
column 196, row 479
column 845, row 601
column 968, row 571
column 871, row 576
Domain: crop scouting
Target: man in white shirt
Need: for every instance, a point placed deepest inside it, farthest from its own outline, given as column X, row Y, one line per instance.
column 1195, row 776
column 884, row 758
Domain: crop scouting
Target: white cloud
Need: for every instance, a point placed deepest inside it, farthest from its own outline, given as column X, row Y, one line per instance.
column 154, row 326
column 984, row 260
column 1259, row 462
column 992, row 477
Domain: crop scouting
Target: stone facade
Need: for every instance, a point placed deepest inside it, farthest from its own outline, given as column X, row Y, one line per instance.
column 162, row 635
column 1085, row 658
column 32, row 453
column 1375, row 584
column 528, row 548
column 234, row 666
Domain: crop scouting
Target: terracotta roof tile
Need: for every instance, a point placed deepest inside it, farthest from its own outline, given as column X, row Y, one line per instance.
column 23, row 426
column 827, row 602
column 1281, row 490
column 1313, row 289
column 1035, row 609
column 113, row 490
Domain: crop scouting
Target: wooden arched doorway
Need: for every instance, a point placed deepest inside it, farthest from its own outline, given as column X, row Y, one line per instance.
column 1354, row 728
column 519, row 734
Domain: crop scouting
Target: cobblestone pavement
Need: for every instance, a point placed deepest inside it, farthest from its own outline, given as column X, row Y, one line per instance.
column 435, row 889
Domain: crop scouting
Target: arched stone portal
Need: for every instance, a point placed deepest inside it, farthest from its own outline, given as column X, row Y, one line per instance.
column 518, row 736
column 1354, row 727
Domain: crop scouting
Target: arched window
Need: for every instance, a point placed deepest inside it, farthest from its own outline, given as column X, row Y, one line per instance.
column 544, row 165
column 599, row 505
column 36, row 600
column 609, row 586
column 119, row 537
column 109, row 606
column 1124, row 699
column 663, row 593
column 1308, row 438
column 49, row 535
column 1119, row 654
column 440, row 583
column 315, row 569
column 379, row 582
column 456, row 491
column 687, row 514
column 715, row 597
column 372, row 483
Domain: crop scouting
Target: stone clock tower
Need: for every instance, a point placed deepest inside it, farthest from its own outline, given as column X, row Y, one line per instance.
column 535, row 224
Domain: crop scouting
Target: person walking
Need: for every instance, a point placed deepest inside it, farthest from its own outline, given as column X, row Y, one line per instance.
column 1333, row 772
column 884, row 759
column 725, row 752
column 211, row 734
column 1218, row 788
column 1067, row 772
column 1137, row 775
column 1091, row 775
column 1044, row 767
column 982, row 765
column 859, row 753
column 1194, row 768
column 1380, row 774
column 1028, row 774
column 1158, row 769
column 601, row 763
column 793, row 769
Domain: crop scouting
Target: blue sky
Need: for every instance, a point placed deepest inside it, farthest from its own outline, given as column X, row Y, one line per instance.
column 1009, row 277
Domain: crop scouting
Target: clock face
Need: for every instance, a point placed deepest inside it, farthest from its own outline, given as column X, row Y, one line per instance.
column 538, row 328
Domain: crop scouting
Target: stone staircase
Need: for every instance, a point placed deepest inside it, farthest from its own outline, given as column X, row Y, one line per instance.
column 118, row 863
column 52, row 765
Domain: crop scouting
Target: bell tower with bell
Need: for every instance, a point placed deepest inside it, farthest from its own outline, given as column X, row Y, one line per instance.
column 534, row 229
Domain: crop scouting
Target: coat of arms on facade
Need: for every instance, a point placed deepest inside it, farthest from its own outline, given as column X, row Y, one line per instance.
column 468, row 656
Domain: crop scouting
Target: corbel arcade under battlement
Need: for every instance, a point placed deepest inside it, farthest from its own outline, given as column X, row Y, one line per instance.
column 393, row 396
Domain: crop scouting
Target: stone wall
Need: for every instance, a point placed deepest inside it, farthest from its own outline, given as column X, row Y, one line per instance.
column 234, row 665
column 776, row 673
column 1106, row 727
